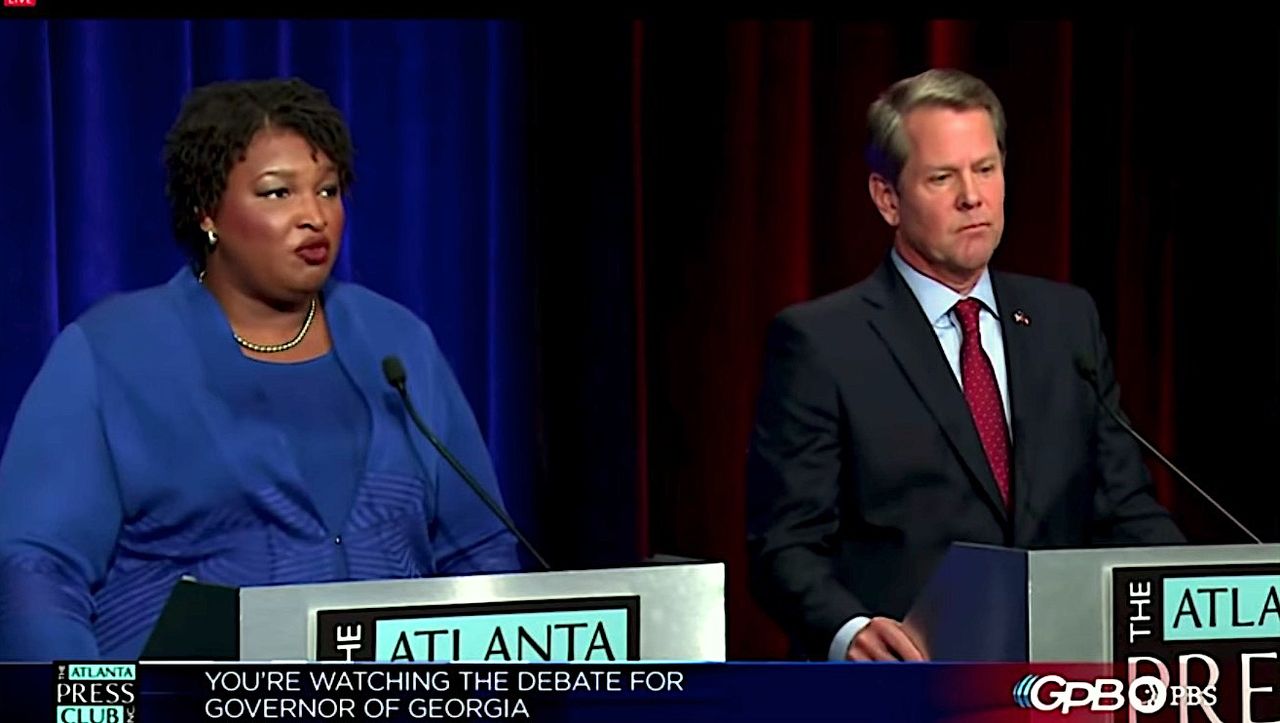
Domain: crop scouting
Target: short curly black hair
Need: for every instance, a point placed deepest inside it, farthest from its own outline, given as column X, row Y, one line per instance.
column 214, row 128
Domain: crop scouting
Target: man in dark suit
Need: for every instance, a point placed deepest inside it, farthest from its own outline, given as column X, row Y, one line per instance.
column 937, row 401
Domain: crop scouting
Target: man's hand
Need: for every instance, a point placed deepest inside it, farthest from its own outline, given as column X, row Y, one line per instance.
column 883, row 639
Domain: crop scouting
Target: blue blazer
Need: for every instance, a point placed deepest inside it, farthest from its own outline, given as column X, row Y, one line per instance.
column 139, row 456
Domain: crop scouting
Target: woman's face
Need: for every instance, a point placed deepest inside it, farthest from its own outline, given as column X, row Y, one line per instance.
column 279, row 222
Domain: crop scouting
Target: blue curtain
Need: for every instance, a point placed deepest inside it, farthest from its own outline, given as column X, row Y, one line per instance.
column 436, row 218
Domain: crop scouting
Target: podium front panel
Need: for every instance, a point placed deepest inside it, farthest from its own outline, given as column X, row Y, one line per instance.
column 1070, row 597
column 681, row 614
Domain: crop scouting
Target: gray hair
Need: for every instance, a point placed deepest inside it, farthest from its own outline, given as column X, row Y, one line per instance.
column 887, row 147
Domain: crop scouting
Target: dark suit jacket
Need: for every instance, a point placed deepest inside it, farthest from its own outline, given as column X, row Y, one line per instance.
column 865, row 464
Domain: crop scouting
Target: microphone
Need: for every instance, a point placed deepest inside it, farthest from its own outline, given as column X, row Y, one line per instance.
column 1085, row 368
column 393, row 370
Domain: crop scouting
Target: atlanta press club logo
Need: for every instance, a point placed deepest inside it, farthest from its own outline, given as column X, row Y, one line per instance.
column 96, row 693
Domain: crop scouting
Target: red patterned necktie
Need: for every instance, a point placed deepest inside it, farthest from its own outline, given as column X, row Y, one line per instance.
column 983, row 394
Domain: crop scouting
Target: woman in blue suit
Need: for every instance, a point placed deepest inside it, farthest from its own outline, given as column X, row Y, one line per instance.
column 234, row 424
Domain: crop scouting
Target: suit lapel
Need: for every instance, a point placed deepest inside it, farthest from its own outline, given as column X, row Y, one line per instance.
column 911, row 339
column 1024, row 379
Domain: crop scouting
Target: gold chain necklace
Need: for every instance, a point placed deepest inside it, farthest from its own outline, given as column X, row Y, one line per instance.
column 286, row 346
column 274, row 348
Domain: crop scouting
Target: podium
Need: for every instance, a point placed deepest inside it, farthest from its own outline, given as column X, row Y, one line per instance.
column 662, row 610
column 993, row 604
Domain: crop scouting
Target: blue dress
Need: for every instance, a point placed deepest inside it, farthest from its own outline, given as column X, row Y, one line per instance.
column 149, row 448
column 326, row 428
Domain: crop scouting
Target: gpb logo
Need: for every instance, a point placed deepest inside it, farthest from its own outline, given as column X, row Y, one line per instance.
column 1053, row 692
column 1022, row 691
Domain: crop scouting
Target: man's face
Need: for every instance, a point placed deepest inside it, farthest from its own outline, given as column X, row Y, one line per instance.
column 948, row 206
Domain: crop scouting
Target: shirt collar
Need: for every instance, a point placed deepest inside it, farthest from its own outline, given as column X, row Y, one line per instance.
column 936, row 298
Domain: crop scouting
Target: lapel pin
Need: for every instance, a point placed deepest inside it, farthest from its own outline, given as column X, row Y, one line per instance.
column 1020, row 317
